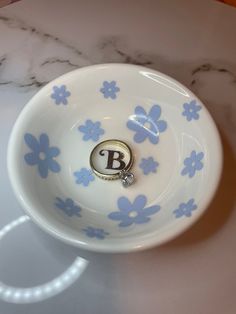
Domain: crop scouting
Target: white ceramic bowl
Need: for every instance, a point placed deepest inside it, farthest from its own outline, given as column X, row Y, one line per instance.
column 176, row 146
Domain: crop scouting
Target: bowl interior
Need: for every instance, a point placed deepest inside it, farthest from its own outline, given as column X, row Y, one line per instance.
column 176, row 148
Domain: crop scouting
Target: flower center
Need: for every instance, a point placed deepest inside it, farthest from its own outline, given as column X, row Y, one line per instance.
column 147, row 125
column 42, row 155
column 133, row 214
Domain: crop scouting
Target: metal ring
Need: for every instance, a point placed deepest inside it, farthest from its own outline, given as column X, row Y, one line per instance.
column 123, row 173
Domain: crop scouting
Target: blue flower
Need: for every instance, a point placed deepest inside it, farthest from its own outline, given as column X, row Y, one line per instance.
column 109, row 89
column 185, row 209
column 95, row 233
column 68, row 207
column 91, row 130
column 147, row 125
column 84, row 176
column 192, row 164
column 135, row 213
column 60, row 94
column 42, row 155
column 191, row 110
column 148, row 165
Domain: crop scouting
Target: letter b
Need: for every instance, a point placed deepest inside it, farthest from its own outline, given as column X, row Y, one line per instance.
column 111, row 158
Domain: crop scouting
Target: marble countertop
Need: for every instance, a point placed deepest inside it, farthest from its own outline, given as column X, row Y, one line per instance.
column 192, row 41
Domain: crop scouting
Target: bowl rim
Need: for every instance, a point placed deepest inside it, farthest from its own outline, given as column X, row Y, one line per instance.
column 102, row 246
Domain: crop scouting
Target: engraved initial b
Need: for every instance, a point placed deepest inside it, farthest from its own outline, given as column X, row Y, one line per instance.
column 113, row 155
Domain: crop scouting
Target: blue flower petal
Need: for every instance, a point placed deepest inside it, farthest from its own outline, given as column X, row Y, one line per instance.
column 53, row 165
column 43, row 168
column 188, row 213
column 69, row 202
column 69, row 212
column 155, row 112
column 112, row 84
column 139, row 111
column 187, row 162
column 139, row 202
column 200, row 156
column 185, row 105
column 58, row 100
column 100, row 236
column 96, row 125
column 91, row 177
column 31, row 158
column 106, row 95
column 44, row 142
column 154, row 139
column 191, row 172
column 59, row 200
column 117, row 216
column 67, row 94
column 63, row 89
column 101, row 131
column 127, row 222
column 189, row 118
column 184, row 171
column 106, row 84
column 124, row 204
column 140, row 136
column 86, row 137
column 112, row 96
column 199, row 165
column 53, row 152
column 195, row 115
column 191, row 202
column 161, row 125
column 32, row 142
column 133, row 125
column 55, row 89
column 64, row 101
column 85, row 182
column 83, row 128
column 140, row 219
column 151, row 210
column 178, row 213
column 60, row 205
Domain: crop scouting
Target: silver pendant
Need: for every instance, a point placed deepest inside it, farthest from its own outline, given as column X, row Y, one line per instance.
column 127, row 178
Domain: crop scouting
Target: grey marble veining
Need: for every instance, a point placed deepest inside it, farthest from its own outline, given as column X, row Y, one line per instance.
column 44, row 56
